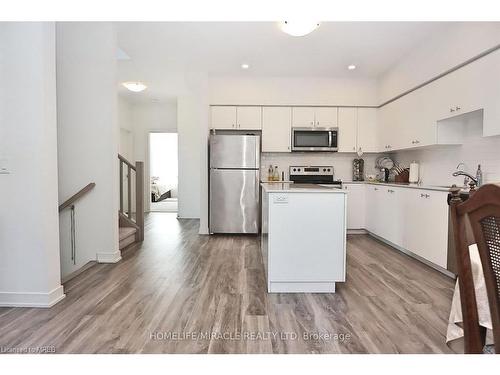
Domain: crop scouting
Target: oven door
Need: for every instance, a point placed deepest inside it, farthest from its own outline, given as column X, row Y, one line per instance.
column 315, row 139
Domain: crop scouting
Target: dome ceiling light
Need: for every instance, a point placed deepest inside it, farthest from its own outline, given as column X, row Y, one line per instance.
column 298, row 28
column 135, row 86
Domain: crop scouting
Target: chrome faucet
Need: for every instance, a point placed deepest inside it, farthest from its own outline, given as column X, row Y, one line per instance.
column 467, row 177
column 461, row 172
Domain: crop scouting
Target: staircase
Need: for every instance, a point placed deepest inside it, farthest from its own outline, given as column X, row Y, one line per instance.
column 131, row 214
column 127, row 236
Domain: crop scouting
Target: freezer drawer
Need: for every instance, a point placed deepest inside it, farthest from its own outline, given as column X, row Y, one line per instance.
column 235, row 151
column 234, row 201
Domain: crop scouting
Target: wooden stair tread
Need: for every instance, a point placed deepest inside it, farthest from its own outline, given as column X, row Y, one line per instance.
column 125, row 232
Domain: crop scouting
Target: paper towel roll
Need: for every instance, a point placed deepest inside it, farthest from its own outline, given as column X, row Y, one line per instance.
column 413, row 172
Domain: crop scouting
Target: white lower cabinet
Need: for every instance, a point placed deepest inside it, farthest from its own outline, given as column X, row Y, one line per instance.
column 426, row 225
column 391, row 225
column 355, row 205
column 412, row 219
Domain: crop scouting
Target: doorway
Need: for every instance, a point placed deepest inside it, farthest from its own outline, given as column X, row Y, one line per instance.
column 163, row 171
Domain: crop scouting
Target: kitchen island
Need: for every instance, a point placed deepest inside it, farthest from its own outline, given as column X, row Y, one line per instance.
column 303, row 238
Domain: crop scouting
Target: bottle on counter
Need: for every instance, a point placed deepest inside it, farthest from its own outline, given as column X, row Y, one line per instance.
column 276, row 174
column 479, row 176
column 270, row 173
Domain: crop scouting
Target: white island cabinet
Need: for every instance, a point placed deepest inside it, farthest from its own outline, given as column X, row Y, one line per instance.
column 303, row 237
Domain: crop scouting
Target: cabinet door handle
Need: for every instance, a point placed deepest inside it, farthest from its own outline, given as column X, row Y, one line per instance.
column 375, row 189
column 457, row 108
column 354, row 148
column 422, row 195
column 312, row 123
column 452, row 110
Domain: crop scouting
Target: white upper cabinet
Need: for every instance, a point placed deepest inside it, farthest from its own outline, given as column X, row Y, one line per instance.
column 308, row 117
column 432, row 114
column 348, row 129
column 236, row 117
column 276, row 129
column 368, row 131
column 358, row 130
column 249, row 118
column 326, row 117
column 223, row 117
column 303, row 117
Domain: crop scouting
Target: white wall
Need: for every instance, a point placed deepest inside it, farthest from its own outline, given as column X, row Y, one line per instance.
column 125, row 123
column 438, row 54
column 147, row 118
column 88, row 139
column 29, row 230
column 292, row 91
column 192, row 114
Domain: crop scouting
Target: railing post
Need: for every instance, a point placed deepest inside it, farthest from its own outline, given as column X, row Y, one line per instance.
column 129, row 192
column 139, row 197
column 121, row 185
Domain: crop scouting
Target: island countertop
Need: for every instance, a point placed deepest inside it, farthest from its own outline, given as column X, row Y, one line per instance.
column 285, row 187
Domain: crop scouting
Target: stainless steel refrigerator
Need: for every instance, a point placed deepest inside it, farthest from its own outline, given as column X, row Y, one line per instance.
column 234, row 183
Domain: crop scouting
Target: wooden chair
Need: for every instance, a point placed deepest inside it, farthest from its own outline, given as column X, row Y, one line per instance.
column 482, row 212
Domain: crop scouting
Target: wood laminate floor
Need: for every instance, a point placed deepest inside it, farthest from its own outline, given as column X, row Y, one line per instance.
column 180, row 292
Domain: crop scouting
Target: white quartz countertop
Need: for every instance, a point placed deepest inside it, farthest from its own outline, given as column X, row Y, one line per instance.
column 402, row 184
column 286, row 187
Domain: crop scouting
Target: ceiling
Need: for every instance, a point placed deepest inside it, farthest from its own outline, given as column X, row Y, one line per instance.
column 161, row 52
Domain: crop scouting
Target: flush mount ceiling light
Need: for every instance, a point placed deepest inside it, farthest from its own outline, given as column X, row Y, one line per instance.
column 298, row 28
column 351, row 67
column 135, row 86
column 245, row 66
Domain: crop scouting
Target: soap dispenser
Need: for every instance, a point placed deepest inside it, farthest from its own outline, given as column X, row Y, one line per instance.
column 479, row 176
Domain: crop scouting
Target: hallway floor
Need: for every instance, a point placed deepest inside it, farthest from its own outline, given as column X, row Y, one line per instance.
column 166, row 205
column 180, row 292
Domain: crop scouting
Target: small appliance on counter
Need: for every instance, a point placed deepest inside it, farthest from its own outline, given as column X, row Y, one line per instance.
column 358, row 166
column 322, row 175
column 414, row 170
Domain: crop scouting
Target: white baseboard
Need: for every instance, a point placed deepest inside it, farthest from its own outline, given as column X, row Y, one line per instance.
column 43, row 300
column 109, row 257
column 357, row 231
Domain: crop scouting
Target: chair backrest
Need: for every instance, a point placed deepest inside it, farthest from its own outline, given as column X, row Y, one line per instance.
column 482, row 211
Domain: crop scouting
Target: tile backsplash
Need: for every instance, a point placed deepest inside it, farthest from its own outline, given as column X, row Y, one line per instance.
column 342, row 163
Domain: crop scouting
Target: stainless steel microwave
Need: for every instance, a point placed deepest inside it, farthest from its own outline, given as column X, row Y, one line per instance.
column 315, row 139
